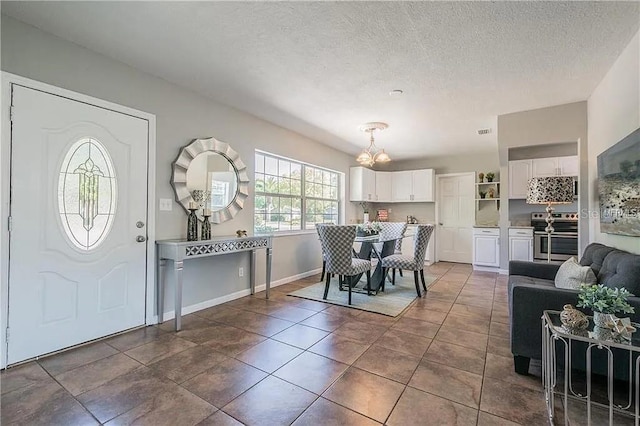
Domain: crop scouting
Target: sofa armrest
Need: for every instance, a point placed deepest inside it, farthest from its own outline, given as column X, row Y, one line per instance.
column 545, row 271
column 528, row 301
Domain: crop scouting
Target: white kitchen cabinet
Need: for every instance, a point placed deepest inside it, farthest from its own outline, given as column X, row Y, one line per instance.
column 413, row 186
column 519, row 174
column 383, row 186
column 402, row 184
column 545, row 167
column 423, row 185
column 521, row 244
column 486, row 247
column 520, row 171
column 362, row 183
column 568, row 166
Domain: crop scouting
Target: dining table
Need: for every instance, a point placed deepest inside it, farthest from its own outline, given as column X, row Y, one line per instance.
column 370, row 245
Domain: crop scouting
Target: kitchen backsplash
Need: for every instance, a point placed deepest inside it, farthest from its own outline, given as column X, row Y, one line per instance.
column 398, row 212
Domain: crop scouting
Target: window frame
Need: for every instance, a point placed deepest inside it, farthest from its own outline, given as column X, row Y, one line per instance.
column 340, row 195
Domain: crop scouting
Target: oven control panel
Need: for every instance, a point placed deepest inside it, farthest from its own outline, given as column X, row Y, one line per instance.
column 570, row 217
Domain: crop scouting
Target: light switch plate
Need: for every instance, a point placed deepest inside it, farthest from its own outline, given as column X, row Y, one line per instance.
column 166, row 204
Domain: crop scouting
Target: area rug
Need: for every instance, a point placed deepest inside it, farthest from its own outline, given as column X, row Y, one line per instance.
column 392, row 302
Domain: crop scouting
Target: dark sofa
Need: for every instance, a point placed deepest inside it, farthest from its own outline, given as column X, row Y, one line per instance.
column 532, row 290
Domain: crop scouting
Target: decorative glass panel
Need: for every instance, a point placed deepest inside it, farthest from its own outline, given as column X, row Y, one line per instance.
column 87, row 194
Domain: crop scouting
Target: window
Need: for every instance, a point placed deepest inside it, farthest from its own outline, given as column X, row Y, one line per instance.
column 291, row 195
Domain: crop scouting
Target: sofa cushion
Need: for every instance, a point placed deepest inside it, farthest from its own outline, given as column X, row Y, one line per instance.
column 594, row 256
column 571, row 275
column 621, row 269
column 521, row 279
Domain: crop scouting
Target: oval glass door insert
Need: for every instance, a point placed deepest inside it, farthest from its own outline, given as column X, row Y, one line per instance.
column 87, row 194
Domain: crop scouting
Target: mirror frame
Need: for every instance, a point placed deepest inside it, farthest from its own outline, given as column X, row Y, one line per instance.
column 181, row 165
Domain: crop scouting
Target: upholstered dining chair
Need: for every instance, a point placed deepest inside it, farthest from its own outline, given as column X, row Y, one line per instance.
column 393, row 229
column 338, row 244
column 415, row 263
column 324, row 254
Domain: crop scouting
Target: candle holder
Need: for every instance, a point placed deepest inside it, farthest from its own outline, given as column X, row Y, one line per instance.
column 206, row 227
column 192, row 226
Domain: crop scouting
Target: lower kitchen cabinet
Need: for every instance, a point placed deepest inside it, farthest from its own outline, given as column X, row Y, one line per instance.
column 486, row 247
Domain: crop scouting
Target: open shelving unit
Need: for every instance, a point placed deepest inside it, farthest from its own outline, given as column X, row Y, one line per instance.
column 489, row 188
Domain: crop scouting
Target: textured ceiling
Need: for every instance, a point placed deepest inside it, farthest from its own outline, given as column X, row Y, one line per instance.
column 324, row 68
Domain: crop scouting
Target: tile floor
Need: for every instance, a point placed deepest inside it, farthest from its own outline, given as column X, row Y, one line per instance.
column 445, row 361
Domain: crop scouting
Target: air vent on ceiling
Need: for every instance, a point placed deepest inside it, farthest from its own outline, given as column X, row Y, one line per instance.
column 484, row 131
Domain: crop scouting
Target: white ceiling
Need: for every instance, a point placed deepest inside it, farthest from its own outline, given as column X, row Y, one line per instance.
column 324, row 68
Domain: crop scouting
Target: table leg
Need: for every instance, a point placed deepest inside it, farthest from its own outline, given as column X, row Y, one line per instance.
column 177, row 269
column 162, row 264
column 268, row 281
column 252, row 271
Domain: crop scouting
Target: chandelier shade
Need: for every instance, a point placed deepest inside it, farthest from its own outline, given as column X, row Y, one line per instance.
column 372, row 154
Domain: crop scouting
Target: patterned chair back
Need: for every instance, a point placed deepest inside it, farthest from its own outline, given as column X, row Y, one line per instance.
column 324, row 250
column 338, row 243
column 420, row 242
column 394, row 229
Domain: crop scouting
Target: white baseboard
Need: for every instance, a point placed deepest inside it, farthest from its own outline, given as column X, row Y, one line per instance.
column 490, row 269
column 233, row 296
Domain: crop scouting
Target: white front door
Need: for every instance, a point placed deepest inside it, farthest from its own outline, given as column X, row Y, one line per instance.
column 456, row 217
column 78, row 206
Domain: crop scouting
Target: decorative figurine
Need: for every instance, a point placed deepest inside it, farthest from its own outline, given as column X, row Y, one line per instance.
column 192, row 224
column 241, row 233
column 491, row 193
column 481, row 177
column 206, row 225
column 573, row 319
column 621, row 328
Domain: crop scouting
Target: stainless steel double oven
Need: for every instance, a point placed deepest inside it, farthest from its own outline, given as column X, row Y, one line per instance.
column 564, row 240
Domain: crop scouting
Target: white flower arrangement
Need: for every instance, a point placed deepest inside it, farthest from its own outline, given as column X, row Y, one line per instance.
column 370, row 227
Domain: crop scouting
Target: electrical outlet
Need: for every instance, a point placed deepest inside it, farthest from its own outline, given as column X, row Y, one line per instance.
column 241, row 272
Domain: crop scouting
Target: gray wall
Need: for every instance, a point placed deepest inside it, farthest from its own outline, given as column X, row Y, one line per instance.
column 542, row 131
column 182, row 115
column 614, row 112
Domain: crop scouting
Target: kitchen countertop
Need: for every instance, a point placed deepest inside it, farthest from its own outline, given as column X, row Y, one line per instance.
column 520, row 227
column 486, row 226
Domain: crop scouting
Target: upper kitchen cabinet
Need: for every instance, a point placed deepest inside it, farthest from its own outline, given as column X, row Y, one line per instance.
column 384, row 186
column 519, row 174
column 521, row 171
column 409, row 186
column 413, row 186
column 362, row 184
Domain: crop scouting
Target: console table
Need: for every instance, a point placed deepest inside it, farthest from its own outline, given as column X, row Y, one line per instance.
column 557, row 341
column 179, row 251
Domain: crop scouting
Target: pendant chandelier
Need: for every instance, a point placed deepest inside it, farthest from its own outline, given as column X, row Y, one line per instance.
column 371, row 155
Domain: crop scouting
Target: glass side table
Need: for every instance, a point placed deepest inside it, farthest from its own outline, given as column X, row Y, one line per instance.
column 553, row 331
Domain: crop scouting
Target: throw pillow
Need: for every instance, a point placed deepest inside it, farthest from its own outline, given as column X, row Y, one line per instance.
column 571, row 275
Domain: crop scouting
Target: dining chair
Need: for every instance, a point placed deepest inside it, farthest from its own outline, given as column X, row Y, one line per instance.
column 393, row 229
column 324, row 253
column 338, row 243
column 415, row 263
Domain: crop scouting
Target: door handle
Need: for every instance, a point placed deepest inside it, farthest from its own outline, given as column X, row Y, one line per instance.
column 141, row 238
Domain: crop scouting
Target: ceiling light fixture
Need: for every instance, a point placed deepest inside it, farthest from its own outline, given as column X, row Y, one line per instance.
column 369, row 156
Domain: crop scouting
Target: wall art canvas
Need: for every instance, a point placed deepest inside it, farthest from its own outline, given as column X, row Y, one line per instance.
column 619, row 187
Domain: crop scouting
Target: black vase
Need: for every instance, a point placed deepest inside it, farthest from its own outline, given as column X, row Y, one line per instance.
column 206, row 229
column 192, row 226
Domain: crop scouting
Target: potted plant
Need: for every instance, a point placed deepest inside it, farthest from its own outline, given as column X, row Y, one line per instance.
column 482, row 194
column 490, row 176
column 369, row 228
column 604, row 301
column 481, row 177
